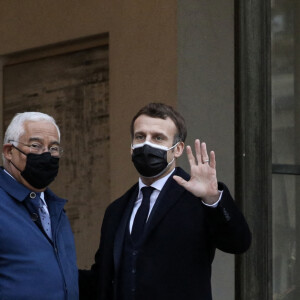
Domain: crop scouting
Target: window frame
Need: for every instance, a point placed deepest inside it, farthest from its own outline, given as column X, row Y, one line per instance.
column 253, row 160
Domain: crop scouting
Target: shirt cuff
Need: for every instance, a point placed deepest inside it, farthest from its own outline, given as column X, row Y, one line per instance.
column 216, row 203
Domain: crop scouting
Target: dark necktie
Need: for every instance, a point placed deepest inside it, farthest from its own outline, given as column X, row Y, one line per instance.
column 141, row 215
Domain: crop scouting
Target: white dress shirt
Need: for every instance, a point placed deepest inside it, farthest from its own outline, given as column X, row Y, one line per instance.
column 157, row 185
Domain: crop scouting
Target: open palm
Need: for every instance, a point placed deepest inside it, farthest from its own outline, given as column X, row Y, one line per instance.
column 203, row 182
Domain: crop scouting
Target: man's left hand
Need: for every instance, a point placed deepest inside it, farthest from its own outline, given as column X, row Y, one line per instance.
column 203, row 182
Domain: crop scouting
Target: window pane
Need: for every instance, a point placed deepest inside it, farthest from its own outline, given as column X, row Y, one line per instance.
column 285, row 81
column 285, row 55
column 285, row 237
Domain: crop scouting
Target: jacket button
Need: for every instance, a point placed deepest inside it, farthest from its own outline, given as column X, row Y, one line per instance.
column 34, row 217
column 32, row 195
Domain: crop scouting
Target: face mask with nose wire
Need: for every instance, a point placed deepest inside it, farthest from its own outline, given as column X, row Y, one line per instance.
column 40, row 169
column 150, row 160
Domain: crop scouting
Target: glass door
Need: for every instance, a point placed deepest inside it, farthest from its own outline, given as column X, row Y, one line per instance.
column 285, row 82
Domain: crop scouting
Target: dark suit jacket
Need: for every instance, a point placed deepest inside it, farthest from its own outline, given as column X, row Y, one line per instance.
column 178, row 247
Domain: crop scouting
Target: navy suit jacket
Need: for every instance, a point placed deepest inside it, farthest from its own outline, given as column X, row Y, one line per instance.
column 178, row 245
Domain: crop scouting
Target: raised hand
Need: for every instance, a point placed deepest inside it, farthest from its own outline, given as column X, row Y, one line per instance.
column 203, row 182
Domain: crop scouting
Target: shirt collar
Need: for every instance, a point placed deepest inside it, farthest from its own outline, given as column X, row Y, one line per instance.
column 158, row 184
column 9, row 174
column 42, row 194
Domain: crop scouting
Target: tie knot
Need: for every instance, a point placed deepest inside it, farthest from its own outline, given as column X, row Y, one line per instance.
column 147, row 191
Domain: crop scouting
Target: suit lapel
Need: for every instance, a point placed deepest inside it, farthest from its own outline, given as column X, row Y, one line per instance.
column 129, row 199
column 168, row 197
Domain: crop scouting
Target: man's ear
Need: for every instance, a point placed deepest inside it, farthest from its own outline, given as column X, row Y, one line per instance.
column 178, row 150
column 7, row 151
column 131, row 151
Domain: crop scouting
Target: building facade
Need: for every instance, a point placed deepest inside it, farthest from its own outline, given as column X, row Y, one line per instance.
column 230, row 67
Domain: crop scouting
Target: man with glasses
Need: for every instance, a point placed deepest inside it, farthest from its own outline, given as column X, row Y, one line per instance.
column 37, row 251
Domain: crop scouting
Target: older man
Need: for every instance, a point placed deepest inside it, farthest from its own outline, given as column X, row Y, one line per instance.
column 158, row 240
column 37, row 252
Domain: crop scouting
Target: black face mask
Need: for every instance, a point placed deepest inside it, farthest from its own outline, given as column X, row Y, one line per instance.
column 40, row 169
column 150, row 160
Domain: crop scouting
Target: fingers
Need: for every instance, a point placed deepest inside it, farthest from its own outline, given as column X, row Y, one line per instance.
column 179, row 180
column 201, row 155
column 212, row 161
column 201, row 152
column 190, row 156
column 205, row 158
column 198, row 151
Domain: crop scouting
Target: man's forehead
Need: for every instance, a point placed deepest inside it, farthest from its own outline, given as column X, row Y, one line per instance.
column 154, row 126
column 39, row 125
column 144, row 122
column 40, row 129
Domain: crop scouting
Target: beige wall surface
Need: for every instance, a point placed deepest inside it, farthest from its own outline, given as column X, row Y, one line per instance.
column 30, row 24
column 143, row 69
column 142, row 55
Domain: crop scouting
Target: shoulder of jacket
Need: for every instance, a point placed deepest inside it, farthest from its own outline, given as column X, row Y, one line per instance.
column 124, row 198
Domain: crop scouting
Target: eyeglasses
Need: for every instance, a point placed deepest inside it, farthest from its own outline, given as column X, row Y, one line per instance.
column 38, row 148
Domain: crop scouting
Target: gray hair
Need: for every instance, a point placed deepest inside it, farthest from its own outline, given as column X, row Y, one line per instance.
column 16, row 127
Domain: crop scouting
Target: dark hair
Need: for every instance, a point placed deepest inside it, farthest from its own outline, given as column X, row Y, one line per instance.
column 163, row 111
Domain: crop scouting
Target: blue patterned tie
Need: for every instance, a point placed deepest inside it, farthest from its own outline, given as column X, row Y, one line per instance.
column 45, row 218
column 141, row 215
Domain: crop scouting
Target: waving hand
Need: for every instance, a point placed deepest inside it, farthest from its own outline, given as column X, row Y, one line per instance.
column 203, row 182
